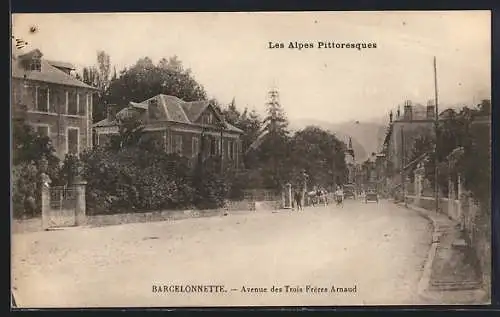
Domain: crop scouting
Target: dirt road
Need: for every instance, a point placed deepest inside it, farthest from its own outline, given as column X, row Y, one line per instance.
column 373, row 252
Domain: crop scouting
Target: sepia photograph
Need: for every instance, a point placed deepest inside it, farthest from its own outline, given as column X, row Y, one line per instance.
column 283, row 159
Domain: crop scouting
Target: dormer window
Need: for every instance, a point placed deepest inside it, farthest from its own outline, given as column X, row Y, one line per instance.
column 35, row 64
column 32, row 61
column 153, row 109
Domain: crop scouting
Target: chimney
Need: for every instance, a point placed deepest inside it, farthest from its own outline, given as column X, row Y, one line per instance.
column 408, row 111
column 111, row 112
column 431, row 109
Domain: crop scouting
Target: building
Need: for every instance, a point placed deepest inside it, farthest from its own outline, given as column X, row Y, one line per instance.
column 52, row 101
column 180, row 125
column 415, row 121
column 350, row 160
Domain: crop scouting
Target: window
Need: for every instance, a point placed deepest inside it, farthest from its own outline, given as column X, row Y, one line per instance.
column 42, row 99
column 57, row 101
column 195, row 146
column 178, row 144
column 42, row 130
column 208, row 118
column 73, row 142
column 82, row 103
column 35, row 64
column 213, row 146
column 217, row 145
column 72, row 103
column 165, row 141
column 153, row 109
column 230, row 149
column 95, row 138
column 89, row 104
column 16, row 94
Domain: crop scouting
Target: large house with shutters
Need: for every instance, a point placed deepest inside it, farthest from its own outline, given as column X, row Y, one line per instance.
column 180, row 125
column 48, row 97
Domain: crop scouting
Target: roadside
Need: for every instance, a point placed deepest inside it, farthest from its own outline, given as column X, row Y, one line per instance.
column 377, row 249
column 35, row 224
column 451, row 273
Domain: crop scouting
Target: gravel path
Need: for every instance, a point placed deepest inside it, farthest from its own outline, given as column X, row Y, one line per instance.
column 379, row 249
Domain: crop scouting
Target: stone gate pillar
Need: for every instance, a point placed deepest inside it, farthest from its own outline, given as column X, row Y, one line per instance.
column 287, row 203
column 459, row 202
column 45, row 200
column 451, row 198
column 419, row 177
column 418, row 189
column 80, row 208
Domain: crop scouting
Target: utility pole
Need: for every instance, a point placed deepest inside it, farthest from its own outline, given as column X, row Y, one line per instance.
column 436, row 131
column 273, row 104
column 403, row 187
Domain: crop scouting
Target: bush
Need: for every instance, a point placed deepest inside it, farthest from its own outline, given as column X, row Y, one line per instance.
column 70, row 169
column 209, row 186
column 135, row 179
column 25, row 191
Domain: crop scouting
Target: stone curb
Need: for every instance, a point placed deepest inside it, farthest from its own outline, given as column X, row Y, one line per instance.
column 424, row 283
column 423, row 288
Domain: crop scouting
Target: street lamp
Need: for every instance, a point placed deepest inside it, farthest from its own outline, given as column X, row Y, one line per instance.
column 436, row 131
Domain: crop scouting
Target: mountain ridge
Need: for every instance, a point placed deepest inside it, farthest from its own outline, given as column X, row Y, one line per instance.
column 366, row 136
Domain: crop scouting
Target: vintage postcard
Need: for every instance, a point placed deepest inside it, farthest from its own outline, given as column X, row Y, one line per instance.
column 251, row 159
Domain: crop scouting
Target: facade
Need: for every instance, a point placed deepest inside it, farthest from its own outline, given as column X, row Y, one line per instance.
column 350, row 160
column 415, row 121
column 52, row 101
column 181, row 125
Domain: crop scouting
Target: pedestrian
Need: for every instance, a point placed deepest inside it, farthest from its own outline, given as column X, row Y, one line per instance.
column 298, row 200
column 339, row 196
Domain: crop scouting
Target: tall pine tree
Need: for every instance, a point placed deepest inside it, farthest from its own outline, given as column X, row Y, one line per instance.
column 273, row 151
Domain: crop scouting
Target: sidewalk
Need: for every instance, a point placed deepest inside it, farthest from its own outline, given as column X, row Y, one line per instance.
column 451, row 274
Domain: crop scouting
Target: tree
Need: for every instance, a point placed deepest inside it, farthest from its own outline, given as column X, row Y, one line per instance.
column 320, row 154
column 91, row 76
column 251, row 124
column 458, row 130
column 274, row 150
column 104, row 68
column 29, row 146
column 29, row 150
column 130, row 133
column 98, row 76
column 145, row 80
column 231, row 113
column 173, row 63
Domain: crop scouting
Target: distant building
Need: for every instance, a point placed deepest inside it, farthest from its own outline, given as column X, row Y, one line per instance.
column 415, row 120
column 180, row 125
column 52, row 101
column 350, row 160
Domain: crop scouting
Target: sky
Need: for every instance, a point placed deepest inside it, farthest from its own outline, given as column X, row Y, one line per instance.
column 229, row 54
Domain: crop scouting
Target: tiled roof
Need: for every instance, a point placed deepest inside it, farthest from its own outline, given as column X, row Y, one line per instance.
column 48, row 73
column 233, row 128
column 139, row 105
column 174, row 109
column 105, row 123
column 194, row 109
column 61, row 64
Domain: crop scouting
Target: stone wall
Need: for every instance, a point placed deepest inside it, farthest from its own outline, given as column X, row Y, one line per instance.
column 232, row 207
